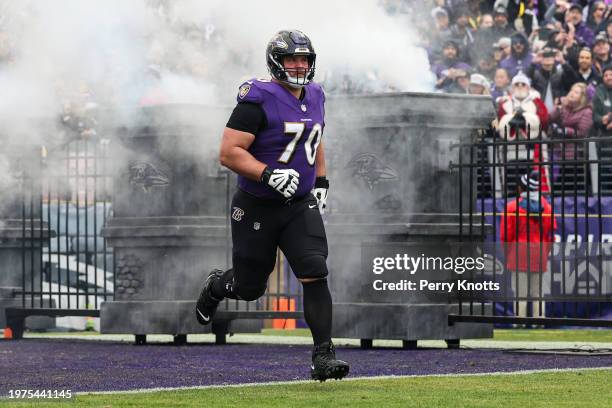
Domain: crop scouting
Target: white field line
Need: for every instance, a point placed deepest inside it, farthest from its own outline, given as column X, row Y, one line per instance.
column 382, row 377
column 297, row 340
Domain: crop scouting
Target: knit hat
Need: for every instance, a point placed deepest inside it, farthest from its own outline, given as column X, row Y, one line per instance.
column 478, row 79
column 521, row 78
column 531, row 181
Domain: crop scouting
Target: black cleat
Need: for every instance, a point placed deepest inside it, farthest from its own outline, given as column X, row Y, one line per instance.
column 207, row 304
column 325, row 365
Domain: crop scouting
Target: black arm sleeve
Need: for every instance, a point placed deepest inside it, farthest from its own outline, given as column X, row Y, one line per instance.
column 247, row 117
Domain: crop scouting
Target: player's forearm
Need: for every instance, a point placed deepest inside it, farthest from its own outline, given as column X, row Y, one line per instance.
column 242, row 162
column 321, row 171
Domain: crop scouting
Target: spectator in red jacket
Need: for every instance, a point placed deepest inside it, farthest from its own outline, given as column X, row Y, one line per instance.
column 521, row 115
column 527, row 227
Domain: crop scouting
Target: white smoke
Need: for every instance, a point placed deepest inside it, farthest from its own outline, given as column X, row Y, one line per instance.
column 105, row 50
column 61, row 58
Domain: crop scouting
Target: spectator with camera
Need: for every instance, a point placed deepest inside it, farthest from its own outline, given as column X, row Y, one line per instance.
column 572, row 117
column 545, row 74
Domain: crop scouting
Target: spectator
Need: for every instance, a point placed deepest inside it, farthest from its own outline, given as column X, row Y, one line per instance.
column 486, row 21
column 562, row 40
column 608, row 28
column 505, row 45
column 583, row 34
column 501, row 84
column 542, row 34
column 486, row 65
column 520, row 58
column 440, row 34
column 573, row 117
column 585, row 72
column 449, row 67
column 475, row 18
column 602, row 104
column 546, row 77
column 479, row 85
column 501, row 28
column 601, row 53
column 523, row 107
column 557, row 11
column 521, row 116
column 442, row 22
column 461, row 84
column 484, row 37
column 527, row 228
column 498, row 53
column 526, row 21
column 596, row 19
column 461, row 33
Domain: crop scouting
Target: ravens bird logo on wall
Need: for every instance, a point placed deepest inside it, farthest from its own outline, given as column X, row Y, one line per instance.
column 146, row 175
column 371, row 169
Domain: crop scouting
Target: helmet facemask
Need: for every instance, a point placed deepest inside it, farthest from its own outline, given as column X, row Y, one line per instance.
column 287, row 75
column 290, row 43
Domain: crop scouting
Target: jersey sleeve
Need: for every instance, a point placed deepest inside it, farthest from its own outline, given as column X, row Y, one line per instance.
column 247, row 117
column 250, row 93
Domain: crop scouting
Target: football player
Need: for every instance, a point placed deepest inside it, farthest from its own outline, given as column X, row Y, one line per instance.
column 273, row 142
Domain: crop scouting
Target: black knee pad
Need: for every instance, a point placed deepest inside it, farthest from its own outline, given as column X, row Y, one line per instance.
column 249, row 292
column 311, row 267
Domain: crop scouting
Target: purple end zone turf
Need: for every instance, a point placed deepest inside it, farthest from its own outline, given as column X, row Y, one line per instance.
column 104, row 366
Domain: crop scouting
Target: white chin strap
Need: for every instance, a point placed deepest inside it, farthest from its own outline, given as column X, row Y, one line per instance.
column 295, row 82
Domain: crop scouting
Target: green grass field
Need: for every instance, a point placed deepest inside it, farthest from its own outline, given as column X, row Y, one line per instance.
column 585, row 388
column 602, row 336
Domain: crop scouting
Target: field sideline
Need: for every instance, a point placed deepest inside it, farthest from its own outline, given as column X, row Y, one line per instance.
column 559, row 388
column 268, row 369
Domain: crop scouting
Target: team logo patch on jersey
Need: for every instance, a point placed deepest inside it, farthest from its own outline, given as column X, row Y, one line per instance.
column 244, row 90
column 237, row 214
column 303, row 107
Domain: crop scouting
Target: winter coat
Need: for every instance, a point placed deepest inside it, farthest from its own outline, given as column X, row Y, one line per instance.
column 513, row 64
column 541, row 78
column 602, row 105
column 571, row 76
column 527, row 248
column 576, row 124
column 535, row 116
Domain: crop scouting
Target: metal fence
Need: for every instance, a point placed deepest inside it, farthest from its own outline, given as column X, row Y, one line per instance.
column 547, row 248
column 66, row 266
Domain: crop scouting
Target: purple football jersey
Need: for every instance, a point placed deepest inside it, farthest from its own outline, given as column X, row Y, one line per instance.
column 293, row 133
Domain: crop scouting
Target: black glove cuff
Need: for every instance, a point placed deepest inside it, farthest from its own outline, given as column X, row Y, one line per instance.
column 265, row 175
column 321, row 182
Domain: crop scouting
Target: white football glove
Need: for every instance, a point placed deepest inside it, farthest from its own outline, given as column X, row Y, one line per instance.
column 285, row 181
column 320, row 193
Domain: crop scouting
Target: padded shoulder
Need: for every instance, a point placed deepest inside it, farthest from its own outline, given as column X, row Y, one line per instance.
column 251, row 91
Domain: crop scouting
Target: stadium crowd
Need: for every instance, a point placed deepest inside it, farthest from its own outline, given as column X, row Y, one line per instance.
column 527, row 54
column 548, row 58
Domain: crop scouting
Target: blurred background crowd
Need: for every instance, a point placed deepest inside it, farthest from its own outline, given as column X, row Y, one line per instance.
column 550, row 58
